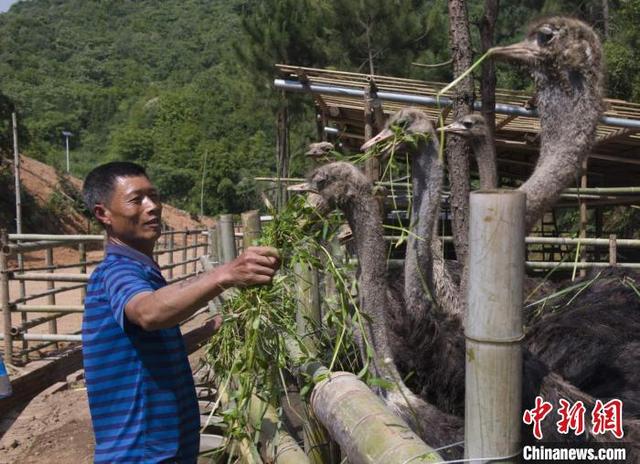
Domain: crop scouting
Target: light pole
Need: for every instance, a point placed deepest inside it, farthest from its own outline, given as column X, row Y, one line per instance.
column 67, row 134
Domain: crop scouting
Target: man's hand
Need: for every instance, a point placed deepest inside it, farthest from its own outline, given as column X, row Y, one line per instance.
column 255, row 266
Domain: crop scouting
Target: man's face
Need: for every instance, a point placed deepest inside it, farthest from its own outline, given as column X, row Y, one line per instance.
column 133, row 212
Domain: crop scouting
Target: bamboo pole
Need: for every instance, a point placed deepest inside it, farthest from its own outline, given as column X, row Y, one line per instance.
column 250, row 228
column 50, row 276
column 213, row 245
column 315, row 437
column 494, row 325
column 184, row 251
column 82, row 251
column 57, row 237
column 583, row 216
column 51, row 299
column 226, row 237
column 613, row 252
column 49, row 308
column 170, row 257
column 4, row 301
column 367, row 431
column 194, row 252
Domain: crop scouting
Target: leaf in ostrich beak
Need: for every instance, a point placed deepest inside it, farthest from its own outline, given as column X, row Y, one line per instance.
column 303, row 187
column 382, row 135
column 453, row 128
column 526, row 50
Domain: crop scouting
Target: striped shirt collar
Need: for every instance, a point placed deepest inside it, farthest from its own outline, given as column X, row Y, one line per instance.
column 124, row 250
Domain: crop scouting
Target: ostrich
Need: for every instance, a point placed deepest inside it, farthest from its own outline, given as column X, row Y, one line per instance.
column 473, row 127
column 595, row 342
column 320, row 152
column 345, row 187
column 565, row 58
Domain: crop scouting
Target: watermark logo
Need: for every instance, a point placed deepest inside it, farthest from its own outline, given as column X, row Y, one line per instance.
column 605, row 417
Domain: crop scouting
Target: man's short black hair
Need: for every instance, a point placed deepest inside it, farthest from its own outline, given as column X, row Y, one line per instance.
column 98, row 185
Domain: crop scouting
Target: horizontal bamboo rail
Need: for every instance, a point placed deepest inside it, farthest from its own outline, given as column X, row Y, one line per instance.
column 54, row 291
column 47, row 337
column 35, row 276
column 49, row 308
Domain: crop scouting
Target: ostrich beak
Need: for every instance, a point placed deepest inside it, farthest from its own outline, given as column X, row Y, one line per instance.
column 382, row 135
column 303, row 187
column 527, row 50
column 453, row 128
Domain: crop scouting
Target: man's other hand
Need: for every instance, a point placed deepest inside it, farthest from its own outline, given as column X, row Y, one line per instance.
column 255, row 266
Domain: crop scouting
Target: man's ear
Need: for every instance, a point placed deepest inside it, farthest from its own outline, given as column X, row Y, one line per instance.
column 102, row 214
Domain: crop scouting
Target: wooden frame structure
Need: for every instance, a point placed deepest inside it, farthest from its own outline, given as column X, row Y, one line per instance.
column 615, row 161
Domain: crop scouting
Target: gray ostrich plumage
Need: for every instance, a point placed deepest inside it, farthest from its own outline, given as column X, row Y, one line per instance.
column 345, row 187
column 564, row 56
column 473, row 127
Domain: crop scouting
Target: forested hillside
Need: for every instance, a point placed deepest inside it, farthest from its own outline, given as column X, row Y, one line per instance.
column 173, row 83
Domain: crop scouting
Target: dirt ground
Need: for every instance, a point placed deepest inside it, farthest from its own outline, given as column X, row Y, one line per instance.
column 55, row 427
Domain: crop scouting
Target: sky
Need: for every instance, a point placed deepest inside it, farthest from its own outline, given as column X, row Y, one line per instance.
column 5, row 4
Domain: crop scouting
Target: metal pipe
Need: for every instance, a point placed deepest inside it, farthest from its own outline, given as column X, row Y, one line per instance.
column 512, row 110
column 620, row 242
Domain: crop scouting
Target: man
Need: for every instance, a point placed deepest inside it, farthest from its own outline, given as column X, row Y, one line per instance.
column 141, row 392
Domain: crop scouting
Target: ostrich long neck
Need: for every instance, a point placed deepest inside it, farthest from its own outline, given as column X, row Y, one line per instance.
column 485, row 154
column 568, row 118
column 425, row 278
column 363, row 216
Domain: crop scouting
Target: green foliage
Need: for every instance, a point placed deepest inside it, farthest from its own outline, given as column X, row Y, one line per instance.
column 163, row 84
column 252, row 350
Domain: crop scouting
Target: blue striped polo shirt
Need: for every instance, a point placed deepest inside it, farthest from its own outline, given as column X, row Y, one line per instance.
column 141, row 392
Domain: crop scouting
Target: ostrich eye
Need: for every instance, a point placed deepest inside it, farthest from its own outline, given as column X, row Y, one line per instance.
column 467, row 124
column 545, row 34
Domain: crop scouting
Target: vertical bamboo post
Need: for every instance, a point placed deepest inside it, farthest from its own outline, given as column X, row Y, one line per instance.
column 213, row 245
column 583, row 217
column 51, row 299
column 185, row 243
column 250, row 228
column 308, row 295
column 226, row 237
column 82, row 251
column 170, row 254
column 613, row 251
column 317, row 443
column 194, row 251
column 494, row 325
column 219, row 242
column 4, row 298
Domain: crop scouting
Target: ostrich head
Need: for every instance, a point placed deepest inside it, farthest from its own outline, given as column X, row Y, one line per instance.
column 410, row 121
column 559, row 48
column 320, row 151
column 339, row 183
column 469, row 126
column 565, row 58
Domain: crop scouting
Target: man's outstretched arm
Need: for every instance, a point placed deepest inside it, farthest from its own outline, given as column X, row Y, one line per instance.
column 170, row 305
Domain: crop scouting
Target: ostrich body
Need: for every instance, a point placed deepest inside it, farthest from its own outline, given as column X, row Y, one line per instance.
column 565, row 58
column 345, row 187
